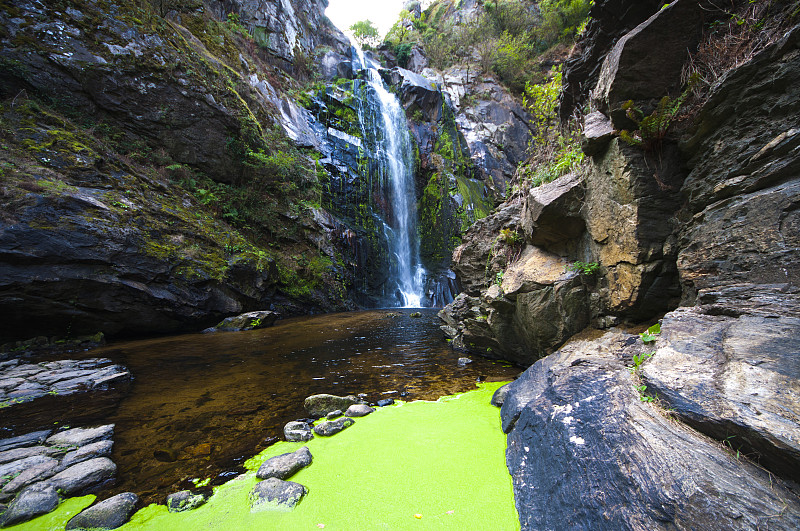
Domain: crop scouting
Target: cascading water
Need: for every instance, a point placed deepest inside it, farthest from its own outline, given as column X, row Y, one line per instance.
column 383, row 119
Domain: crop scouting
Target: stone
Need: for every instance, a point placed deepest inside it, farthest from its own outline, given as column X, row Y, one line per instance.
column 499, row 396
column 29, row 439
column 359, row 410
column 415, row 92
column 597, row 133
column 111, row 513
column 585, row 452
column 285, row 465
column 297, row 431
column 463, row 362
column 31, row 474
column 8, row 470
column 732, row 378
column 551, row 214
column 385, row 402
column 184, row 500
column 21, row 453
column 89, row 451
column 276, row 494
column 81, row 436
column 322, row 404
column 333, row 414
column 84, row 475
column 33, row 501
column 247, row 321
column 332, row 427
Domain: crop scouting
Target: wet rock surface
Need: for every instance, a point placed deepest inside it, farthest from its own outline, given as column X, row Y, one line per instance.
column 322, row 404
column 332, row 427
column 359, row 410
column 111, row 513
column 184, row 500
column 246, row 321
column 35, row 500
column 298, row 431
column 285, row 466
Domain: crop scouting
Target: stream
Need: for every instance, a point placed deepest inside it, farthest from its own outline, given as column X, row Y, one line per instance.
column 201, row 404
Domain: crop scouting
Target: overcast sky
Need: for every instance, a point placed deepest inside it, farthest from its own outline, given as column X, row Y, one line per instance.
column 343, row 13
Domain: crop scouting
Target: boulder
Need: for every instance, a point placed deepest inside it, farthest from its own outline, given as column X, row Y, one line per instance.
column 416, row 93
column 332, row 427
column 285, row 465
column 108, row 514
column 551, row 214
column 334, row 414
column 89, row 451
column 384, row 402
column 359, row 410
column 246, row 321
column 84, row 475
column 463, row 362
column 21, row 453
column 29, row 475
column 276, row 494
column 296, row 431
column 322, row 404
column 184, row 500
column 499, row 396
column 597, row 133
column 33, row 501
column 9, row 470
column 81, row 436
column 21, row 441
column 585, row 452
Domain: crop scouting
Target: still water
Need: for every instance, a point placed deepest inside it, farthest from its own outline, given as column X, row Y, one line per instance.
column 200, row 404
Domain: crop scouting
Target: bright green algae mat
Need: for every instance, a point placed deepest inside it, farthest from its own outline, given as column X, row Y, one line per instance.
column 443, row 461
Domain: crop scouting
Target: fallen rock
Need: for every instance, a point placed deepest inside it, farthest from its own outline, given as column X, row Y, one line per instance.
column 358, row 410
column 551, row 214
column 29, row 439
column 184, row 500
column 597, row 133
column 246, row 321
column 285, row 465
column 276, row 494
column 81, row 436
column 332, row 427
column 35, row 500
column 108, row 514
column 297, row 431
column 322, row 404
column 585, row 452
column 83, row 475
column 90, row 451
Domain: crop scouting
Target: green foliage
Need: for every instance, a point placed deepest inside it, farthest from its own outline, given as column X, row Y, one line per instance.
column 585, row 268
column 498, row 278
column 255, row 323
column 511, row 237
column 649, row 335
column 365, row 32
column 638, row 359
column 642, row 396
column 403, row 53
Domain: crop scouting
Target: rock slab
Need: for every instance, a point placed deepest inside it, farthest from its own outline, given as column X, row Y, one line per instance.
column 108, row 514
column 285, row 465
column 35, row 500
column 332, row 427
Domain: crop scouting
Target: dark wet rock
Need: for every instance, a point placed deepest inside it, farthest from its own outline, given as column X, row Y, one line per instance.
column 463, row 362
column 84, row 475
column 359, row 410
column 31, row 474
column 184, row 500
column 499, row 396
column 332, row 427
column 89, row 451
column 297, row 431
column 285, row 465
column 11, row 469
column 246, row 321
column 322, row 404
column 597, row 133
column 731, row 378
column 108, row 514
column 577, row 428
column 276, row 494
column 35, row 500
column 81, row 436
column 334, row 414
column 416, row 93
column 385, row 402
column 333, row 65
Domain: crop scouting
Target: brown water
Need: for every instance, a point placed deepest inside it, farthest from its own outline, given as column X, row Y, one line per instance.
column 201, row 404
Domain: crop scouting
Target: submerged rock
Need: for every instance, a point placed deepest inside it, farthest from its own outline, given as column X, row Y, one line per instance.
column 332, row 427
column 108, row 514
column 322, row 404
column 274, row 493
column 297, row 431
column 184, row 500
column 35, row 500
column 463, row 362
column 285, row 465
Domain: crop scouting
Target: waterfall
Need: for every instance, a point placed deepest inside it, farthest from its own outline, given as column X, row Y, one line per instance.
column 384, row 120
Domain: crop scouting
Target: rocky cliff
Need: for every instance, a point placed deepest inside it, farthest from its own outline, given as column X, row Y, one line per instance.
column 684, row 214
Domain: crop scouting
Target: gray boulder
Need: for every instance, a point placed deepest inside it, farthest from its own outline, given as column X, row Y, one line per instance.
column 332, row 427
column 276, row 494
column 322, row 404
column 21, row 453
column 83, row 475
column 585, row 452
column 184, row 500
column 551, row 214
column 296, row 431
column 359, row 410
column 246, row 321
column 90, row 451
column 108, row 514
column 334, row 414
column 499, row 396
column 9, row 470
column 35, row 500
column 463, row 362
column 416, row 93
column 285, row 465
column 29, row 439
column 29, row 475
column 81, row 436
column 597, row 133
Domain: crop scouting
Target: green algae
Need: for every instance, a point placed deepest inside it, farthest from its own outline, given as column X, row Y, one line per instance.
column 443, row 461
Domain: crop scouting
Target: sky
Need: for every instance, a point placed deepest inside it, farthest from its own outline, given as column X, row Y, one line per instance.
column 383, row 13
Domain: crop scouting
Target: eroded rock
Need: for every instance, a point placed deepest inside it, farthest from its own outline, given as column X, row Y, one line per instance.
column 297, row 431
column 359, row 410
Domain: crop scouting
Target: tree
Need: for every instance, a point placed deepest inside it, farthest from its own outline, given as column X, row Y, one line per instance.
column 365, row 32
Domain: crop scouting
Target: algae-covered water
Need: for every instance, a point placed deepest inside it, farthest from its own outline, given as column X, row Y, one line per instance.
column 418, row 465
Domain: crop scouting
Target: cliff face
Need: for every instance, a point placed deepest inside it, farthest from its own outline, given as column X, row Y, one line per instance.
column 696, row 221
